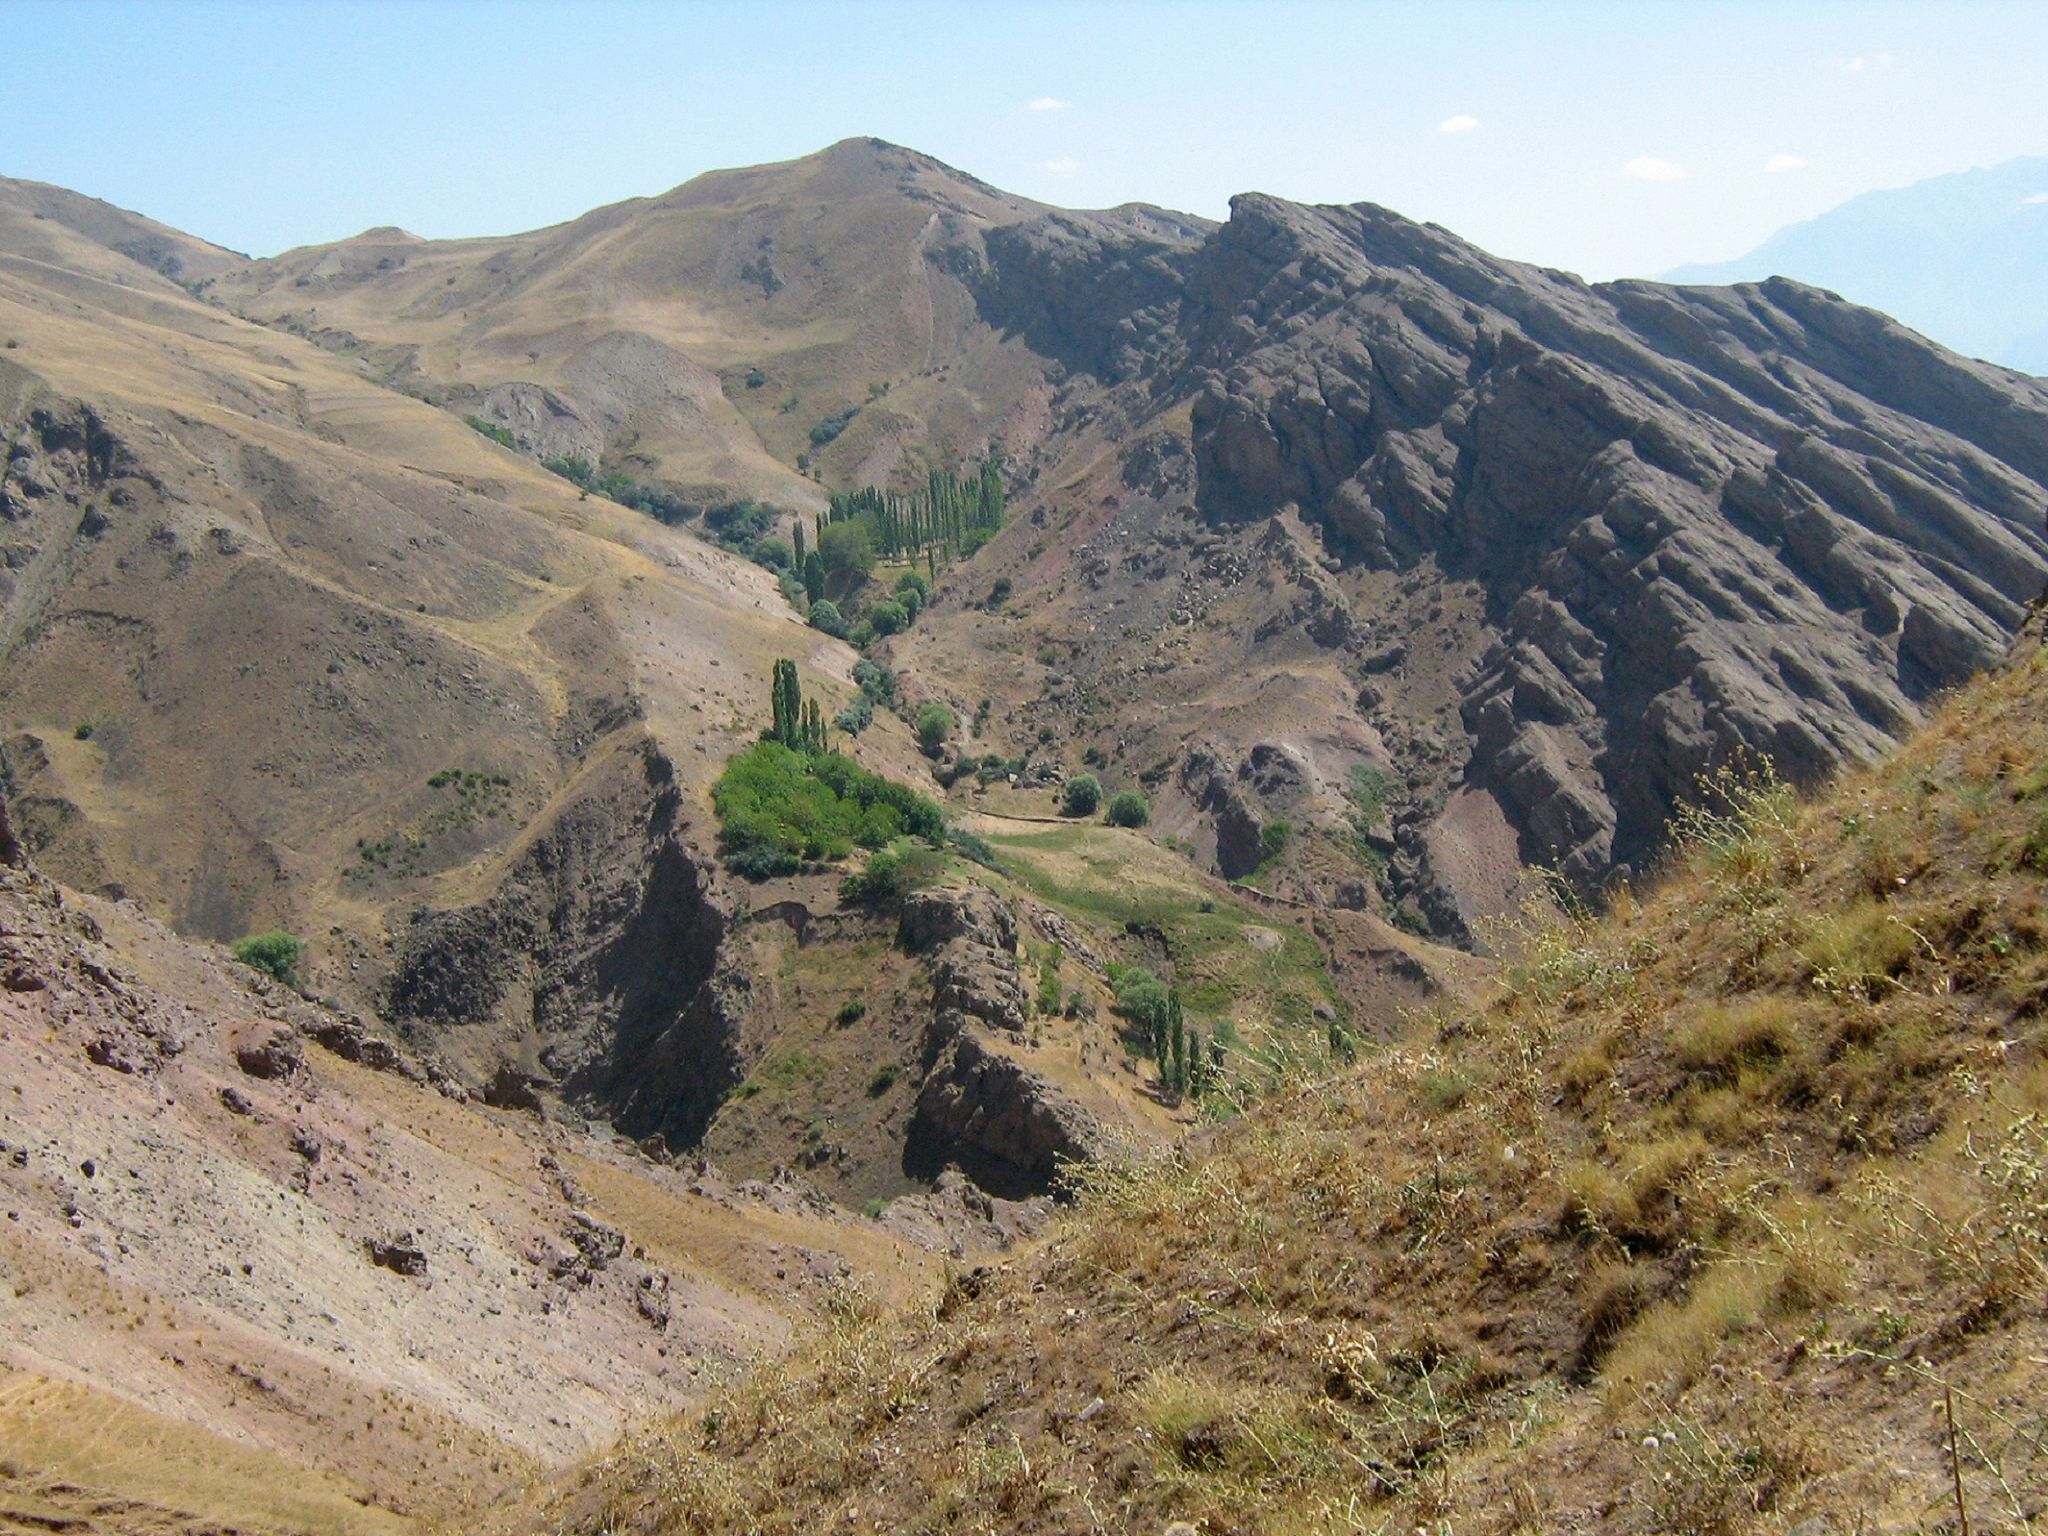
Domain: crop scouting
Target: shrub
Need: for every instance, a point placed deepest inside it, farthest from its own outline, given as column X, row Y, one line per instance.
column 875, row 681
column 830, row 428
column 934, row 724
column 825, row 615
column 497, row 434
column 891, row 874
column 857, row 716
column 1142, row 998
column 889, row 618
column 1129, row 808
column 274, row 954
column 999, row 594
column 852, row 1011
column 883, row 1080
column 773, row 553
column 1083, row 795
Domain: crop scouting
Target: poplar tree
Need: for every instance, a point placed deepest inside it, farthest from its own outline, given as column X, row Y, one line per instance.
column 786, row 706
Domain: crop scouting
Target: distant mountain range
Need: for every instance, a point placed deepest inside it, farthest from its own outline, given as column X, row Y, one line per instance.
column 1962, row 258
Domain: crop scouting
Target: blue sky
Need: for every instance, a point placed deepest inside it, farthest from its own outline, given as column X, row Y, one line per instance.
column 1610, row 139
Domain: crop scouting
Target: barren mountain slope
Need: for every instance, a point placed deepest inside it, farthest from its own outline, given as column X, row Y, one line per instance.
column 286, row 649
column 1542, row 551
column 700, row 336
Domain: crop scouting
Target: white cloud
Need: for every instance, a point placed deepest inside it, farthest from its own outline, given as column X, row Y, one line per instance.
column 1779, row 165
column 1651, row 168
column 1048, row 104
column 1463, row 122
column 1863, row 63
column 1063, row 167
column 2038, row 197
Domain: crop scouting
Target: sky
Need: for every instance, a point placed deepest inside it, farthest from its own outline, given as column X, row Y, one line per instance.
column 1609, row 139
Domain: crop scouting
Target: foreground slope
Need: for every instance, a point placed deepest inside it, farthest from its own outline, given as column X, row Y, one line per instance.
column 1728, row 1214
column 260, row 1272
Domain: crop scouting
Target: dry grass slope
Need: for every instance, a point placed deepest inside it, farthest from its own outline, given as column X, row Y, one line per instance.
column 1694, row 1228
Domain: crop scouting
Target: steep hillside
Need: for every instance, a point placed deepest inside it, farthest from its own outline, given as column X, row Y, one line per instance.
column 1311, row 492
column 1728, row 1214
column 280, row 648
column 699, row 336
column 1388, row 570
column 261, row 1272
column 1355, row 494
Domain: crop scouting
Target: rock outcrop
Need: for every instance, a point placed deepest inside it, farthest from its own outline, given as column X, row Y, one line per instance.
column 1700, row 522
column 1002, row 1124
column 12, row 854
column 969, row 940
column 978, row 1108
column 601, row 956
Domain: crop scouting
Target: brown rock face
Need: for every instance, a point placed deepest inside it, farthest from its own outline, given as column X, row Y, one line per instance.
column 1698, row 521
column 1001, row 1123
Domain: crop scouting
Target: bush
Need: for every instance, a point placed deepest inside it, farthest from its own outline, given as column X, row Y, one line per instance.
column 889, row 618
column 875, row 681
column 1083, row 796
column 883, row 1080
column 1142, row 998
column 274, row 954
column 825, row 615
column 497, row 434
column 773, row 553
column 830, row 428
column 858, row 715
column 851, row 1011
column 739, row 524
column 999, row 594
column 891, row 874
column 1128, row 808
column 914, row 581
column 934, row 724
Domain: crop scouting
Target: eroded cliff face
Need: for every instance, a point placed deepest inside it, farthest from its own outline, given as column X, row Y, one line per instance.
column 978, row 1108
column 1692, row 522
column 598, row 967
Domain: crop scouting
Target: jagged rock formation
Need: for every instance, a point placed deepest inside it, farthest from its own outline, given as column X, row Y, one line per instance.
column 1694, row 521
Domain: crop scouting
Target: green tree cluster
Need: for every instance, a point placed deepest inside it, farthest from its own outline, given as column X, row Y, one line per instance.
column 944, row 514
